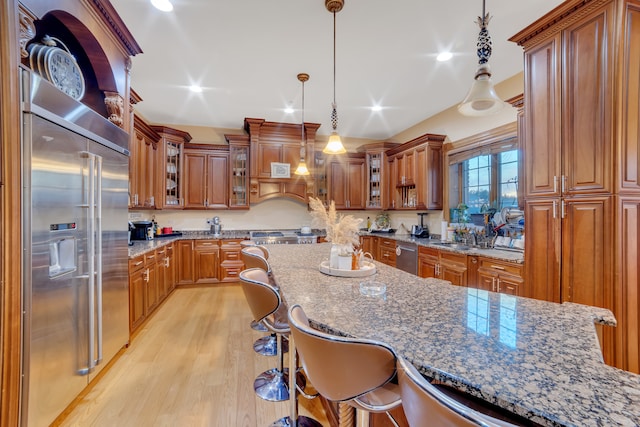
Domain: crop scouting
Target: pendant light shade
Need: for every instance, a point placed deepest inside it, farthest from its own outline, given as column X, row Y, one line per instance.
column 334, row 145
column 482, row 100
column 302, row 166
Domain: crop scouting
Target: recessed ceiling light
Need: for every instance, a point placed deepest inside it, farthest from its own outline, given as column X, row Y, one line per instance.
column 444, row 56
column 376, row 108
column 195, row 88
column 163, row 5
column 289, row 110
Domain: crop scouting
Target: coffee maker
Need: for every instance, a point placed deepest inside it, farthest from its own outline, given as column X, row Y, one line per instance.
column 142, row 230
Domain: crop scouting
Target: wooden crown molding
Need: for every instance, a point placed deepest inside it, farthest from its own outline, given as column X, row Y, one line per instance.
column 105, row 10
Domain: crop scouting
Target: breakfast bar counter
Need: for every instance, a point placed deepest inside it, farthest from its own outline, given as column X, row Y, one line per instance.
column 537, row 359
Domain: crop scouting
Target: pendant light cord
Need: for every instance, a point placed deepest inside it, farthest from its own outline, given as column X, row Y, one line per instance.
column 334, row 107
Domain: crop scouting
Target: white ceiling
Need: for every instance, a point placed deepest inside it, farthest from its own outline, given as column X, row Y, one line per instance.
column 246, row 55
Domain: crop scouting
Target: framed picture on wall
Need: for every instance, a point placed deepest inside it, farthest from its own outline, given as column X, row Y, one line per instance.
column 280, row 170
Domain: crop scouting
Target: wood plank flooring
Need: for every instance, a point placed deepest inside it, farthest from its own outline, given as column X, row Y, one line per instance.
column 192, row 364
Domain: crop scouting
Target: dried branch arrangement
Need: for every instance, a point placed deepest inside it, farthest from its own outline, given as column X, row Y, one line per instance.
column 341, row 229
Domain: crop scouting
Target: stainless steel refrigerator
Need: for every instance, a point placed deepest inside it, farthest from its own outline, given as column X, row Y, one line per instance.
column 75, row 282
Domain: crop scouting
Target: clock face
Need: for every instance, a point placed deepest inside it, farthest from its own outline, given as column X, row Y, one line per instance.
column 63, row 71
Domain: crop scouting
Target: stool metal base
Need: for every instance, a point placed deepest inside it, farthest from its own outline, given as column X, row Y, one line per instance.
column 267, row 346
column 302, row 422
column 257, row 326
column 273, row 385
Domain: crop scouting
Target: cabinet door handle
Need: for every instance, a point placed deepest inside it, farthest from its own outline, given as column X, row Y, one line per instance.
column 498, row 283
column 166, row 262
column 497, row 267
column 145, row 276
column 138, row 263
column 562, row 211
column 493, row 284
column 555, row 209
column 151, row 256
column 555, row 183
column 564, row 184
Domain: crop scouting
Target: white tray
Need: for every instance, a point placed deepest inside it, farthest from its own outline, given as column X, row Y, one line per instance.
column 367, row 269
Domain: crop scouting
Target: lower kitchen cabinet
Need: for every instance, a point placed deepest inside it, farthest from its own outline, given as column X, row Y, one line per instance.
column 387, row 251
column 367, row 244
column 184, row 256
column 137, row 286
column 206, row 260
column 230, row 262
column 443, row 265
column 499, row 276
column 151, row 280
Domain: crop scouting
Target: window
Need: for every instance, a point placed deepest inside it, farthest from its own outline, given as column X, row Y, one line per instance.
column 483, row 172
column 476, row 183
column 490, row 177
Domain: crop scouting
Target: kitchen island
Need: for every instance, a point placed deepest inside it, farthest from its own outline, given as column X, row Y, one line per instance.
column 537, row 359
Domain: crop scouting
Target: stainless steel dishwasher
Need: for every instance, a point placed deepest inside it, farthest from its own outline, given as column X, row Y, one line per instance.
column 407, row 257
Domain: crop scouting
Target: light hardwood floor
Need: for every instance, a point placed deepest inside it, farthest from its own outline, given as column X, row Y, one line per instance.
column 192, row 364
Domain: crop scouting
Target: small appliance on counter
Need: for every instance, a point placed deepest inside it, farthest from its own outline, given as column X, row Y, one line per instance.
column 131, row 228
column 420, row 230
column 142, row 230
column 216, row 227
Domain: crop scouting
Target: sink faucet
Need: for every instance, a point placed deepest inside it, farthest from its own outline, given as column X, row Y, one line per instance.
column 474, row 237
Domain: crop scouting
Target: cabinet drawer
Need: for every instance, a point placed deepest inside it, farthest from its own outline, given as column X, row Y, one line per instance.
column 387, row 243
column 388, row 256
column 150, row 258
column 423, row 250
column 453, row 258
column 136, row 264
column 206, row 244
column 230, row 272
column 229, row 254
column 500, row 266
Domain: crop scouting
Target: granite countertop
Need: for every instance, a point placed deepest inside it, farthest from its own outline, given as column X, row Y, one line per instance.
column 501, row 254
column 140, row 247
column 538, row 359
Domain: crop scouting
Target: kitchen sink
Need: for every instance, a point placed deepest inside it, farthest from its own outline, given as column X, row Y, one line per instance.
column 453, row 245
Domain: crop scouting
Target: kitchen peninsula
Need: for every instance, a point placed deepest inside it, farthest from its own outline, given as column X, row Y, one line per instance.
column 537, row 359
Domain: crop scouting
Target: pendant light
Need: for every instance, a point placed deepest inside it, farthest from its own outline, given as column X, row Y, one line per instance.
column 482, row 99
column 334, row 145
column 302, row 166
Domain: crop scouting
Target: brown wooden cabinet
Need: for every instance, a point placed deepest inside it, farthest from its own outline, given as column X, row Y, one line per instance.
column 416, row 174
column 387, row 251
column 577, row 128
column 152, row 295
column 238, row 173
column 368, row 245
column 377, row 168
column 346, row 177
column 500, row 276
column 231, row 263
column 272, row 142
column 137, row 289
column 428, row 261
column 171, row 269
column 142, row 165
column 169, row 176
column 445, row 265
column 206, row 177
column 186, row 267
column 206, row 261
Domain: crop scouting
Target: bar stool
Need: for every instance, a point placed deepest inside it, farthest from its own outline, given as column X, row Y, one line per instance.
column 253, row 257
column 350, row 370
column 264, row 301
column 256, row 326
column 425, row 405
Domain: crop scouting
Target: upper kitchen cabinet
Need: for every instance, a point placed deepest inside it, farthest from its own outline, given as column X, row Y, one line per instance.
column 170, row 162
column 377, row 170
column 346, row 180
column 274, row 155
column 582, row 191
column 238, row 171
column 206, row 176
column 416, row 174
column 142, row 165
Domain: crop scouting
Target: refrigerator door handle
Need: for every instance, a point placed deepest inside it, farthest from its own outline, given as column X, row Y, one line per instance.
column 94, row 240
column 98, row 237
